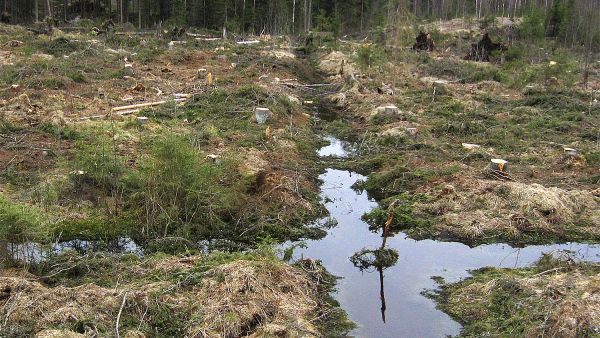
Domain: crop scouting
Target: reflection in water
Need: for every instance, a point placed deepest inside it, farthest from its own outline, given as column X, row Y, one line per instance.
column 335, row 148
column 32, row 252
column 381, row 258
column 382, row 294
column 407, row 312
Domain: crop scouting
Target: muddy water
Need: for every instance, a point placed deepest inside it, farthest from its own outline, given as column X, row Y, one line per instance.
column 407, row 312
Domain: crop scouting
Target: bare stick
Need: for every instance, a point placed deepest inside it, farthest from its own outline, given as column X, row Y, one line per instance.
column 9, row 162
column 144, row 105
column 119, row 315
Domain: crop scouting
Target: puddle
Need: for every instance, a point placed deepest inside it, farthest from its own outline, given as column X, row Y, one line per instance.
column 36, row 253
column 407, row 312
column 335, row 148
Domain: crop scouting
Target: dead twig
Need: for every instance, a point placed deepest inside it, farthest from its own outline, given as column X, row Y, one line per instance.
column 548, row 271
column 9, row 162
column 119, row 315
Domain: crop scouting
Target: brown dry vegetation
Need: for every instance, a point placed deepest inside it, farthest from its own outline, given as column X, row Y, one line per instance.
column 557, row 297
column 251, row 297
column 482, row 210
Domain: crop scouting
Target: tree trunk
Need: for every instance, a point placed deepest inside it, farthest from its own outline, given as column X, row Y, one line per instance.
column 305, row 16
column 49, row 8
column 37, row 11
column 140, row 14
column 309, row 14
column 362, row 14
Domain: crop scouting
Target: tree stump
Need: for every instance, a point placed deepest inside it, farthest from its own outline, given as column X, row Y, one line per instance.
column 521, row 222
column 482, row 50
column 570, row 152
column 385, row 89
column 424, row 43
column 213, row 158
column 142, row 120
column 262, row 115
column 174, row 43
column 498, row 168
column 128, row 69
column 202, row 72
column 572, row 157
column 499, row 165
column 5, row 17
column 391, row 110
column 412, row 132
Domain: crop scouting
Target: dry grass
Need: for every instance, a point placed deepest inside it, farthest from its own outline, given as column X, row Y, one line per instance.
column 562, row 301
column 255, row 300
column 244, row 298
column 59, row 334
column 331, row 64
column 478, row 210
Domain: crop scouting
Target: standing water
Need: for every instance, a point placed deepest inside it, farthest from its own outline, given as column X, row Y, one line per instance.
column 400, row 310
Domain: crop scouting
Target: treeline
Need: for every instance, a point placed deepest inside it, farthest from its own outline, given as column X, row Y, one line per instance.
column 574, row 21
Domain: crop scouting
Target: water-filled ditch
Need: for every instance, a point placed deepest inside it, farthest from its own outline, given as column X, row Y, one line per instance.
column 391, row 303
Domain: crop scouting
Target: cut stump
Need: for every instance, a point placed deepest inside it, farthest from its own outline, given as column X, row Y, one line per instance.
column 262, row 115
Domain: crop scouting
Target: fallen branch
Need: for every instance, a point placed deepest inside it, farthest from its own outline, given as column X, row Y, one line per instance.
column 208, row 39
column 119, row 315
column 201, row 36
column 145, row 105
column 134, row 108
column 135, row 33
column 548, row 271
column 250, row 42
column 128, row 112
column 308, row 85
column 9, row 162
column 183, row 96
column 93, row 117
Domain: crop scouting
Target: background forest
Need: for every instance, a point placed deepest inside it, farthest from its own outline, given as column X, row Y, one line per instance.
column 573, row 22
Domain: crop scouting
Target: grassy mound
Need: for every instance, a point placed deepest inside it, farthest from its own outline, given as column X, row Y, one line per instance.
column 221, row 295
column 511, row 211
column 555, row 298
